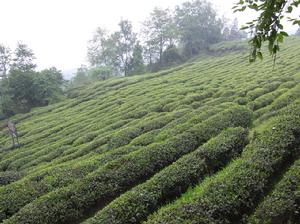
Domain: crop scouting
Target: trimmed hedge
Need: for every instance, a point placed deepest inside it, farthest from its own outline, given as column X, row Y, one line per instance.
column 18, row 194
column 266, row 99
column 282, row 101
column 135, row 205
column 70, row 203
column 234, row 192
column 25, row 191
column 283, row 204
column 63, row 143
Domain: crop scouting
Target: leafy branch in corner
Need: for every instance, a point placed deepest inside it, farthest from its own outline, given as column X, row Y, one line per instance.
column 268, row 26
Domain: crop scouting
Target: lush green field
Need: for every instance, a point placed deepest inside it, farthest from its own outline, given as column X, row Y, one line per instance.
column 215, row 140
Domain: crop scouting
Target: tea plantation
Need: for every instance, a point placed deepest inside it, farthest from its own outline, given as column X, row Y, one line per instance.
column 215, row 140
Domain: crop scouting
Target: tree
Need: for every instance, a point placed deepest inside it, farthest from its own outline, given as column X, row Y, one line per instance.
column 99, row 73
column 28, row 89
column 160, row 31
column 21, row 90
column 6, row 103
column 171, row 56
column 102, row 51
column 80, row 77
column 114, row 50
column 47, row 86
column 226, row 33
column 17, row 88
column 198, row 26
column 97, row 47
column 268, row 26
column 235, row 33
column 23, row 59
column 126, row 40
column 5, row 60
column 136, row 65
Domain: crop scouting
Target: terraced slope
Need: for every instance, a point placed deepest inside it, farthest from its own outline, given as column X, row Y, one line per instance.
column 213, row 141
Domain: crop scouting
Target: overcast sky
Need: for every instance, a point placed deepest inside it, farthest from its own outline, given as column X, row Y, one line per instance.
column 58, row 30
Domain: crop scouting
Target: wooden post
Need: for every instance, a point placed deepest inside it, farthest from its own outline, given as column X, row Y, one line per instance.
column 13, row 132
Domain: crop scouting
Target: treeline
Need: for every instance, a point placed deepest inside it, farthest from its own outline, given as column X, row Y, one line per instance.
column 21, row 86
column 168, row 37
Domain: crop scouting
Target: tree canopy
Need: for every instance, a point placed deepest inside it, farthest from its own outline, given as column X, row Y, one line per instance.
column 167, row 37
column 21, row 86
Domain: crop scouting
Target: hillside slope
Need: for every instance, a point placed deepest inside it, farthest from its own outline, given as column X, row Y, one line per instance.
column 213, row 141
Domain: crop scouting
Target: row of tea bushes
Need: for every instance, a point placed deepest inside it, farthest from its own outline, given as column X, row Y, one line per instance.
column 234, row 192
column 283, row 204
column 135, row 205
column 120, row 175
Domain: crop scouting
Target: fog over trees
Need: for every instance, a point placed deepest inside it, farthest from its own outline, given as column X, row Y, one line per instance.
column 168, row 37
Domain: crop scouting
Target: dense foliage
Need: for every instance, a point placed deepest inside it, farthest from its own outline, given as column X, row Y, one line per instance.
column 167, row 38
column 122, row 150
column 21, row 86
column 236, row 189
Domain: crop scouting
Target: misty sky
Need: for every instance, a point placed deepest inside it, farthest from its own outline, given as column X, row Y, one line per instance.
column 58, row 30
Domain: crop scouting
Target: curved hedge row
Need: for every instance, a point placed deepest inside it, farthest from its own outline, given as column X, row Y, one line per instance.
column 65, row 143
column 135, row 205
column 282, row 101
column 70, row 203
column 283, row 204
column 19, row 194
column 233, row 192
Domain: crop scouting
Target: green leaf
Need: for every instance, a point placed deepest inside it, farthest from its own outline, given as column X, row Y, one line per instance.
column 280, row 38
column 284, row 33
column 243, row 8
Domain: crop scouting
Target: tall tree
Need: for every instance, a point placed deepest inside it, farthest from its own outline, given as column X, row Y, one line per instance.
column 113, row 51
column 102, row 50
column 198, row 25
column 126, row 40
column 97, row 47
column 23, row 87
column 136, row 65
column 23, row 59
column 5, row 60
column 21, row 90
column 235, row 32
column 161, row 32
column 47, row 86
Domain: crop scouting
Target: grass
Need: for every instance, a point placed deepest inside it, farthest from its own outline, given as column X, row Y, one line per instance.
column 126, row 150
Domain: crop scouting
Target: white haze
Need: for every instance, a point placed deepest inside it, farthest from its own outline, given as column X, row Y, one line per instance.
column 58, row 30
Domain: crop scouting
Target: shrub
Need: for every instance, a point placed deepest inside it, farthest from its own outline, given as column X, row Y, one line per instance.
column 136, row 204
column 233, row 192
column 282, row 205
column 123, row 137
column 20, row 193
column 282, row 101
column 67, row 204
column 266, row 99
